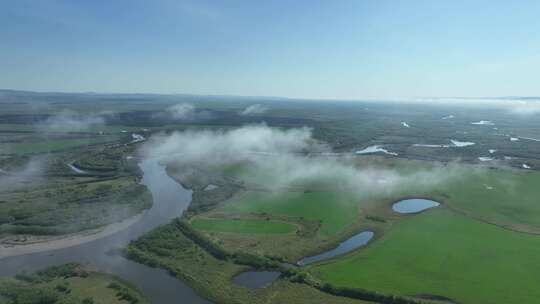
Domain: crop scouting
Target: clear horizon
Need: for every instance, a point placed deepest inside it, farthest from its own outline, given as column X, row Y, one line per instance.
column 418, row 98
column 347, row 50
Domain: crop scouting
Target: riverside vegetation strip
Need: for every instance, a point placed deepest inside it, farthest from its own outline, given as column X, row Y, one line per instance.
column 68, row 284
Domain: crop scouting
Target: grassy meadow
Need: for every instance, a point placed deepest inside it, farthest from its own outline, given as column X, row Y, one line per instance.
column 242, row 226
column 472, row 249
column 334, row 210
column 503, row 196
column 43, row 145
column 442, row 253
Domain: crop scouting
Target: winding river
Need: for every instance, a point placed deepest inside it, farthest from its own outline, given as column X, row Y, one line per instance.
column 170, row 200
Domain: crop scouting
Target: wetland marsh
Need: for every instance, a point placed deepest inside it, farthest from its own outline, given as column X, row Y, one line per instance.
column 214, row 210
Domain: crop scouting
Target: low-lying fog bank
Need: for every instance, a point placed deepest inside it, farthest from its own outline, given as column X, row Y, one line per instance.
column 287, row 157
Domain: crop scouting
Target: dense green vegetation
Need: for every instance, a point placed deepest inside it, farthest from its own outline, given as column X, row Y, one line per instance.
column 68, row 284
column 41, row 195
column 107, row 160
column 443, row 253
column 60, row 208
column 242, row 226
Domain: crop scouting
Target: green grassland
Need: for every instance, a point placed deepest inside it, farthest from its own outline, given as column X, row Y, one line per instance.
column 325, row 201
column 68, row 284
column 443, row 253
column 334, row 210
column 470, row 250
column 290, row 246
column 36, row 145
column 498, row 195
column 242, row 226
column 509, row 198
column 90, row 129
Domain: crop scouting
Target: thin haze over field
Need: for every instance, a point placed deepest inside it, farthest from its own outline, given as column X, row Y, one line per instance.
column 31, row 170
column 71, row 121
column 283, row 156
column 518, row 106
column 183, row 112
column 64, row 121
column 254, row 110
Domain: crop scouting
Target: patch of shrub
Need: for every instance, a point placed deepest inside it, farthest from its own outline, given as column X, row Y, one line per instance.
column 365, row 295
column 124, row 293
column 87, row 301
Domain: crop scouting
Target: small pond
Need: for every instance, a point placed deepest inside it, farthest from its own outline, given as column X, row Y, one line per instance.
column 350, row 244
column 75, row 169
column 210, row 187
column 256, row 279
column 413, row 205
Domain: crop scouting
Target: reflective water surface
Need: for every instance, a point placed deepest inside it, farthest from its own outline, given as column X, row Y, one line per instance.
column 350, row 244
column 255, row 279
column 413, row 205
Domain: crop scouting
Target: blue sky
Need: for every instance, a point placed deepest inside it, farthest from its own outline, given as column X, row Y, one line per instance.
column 313, row 49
